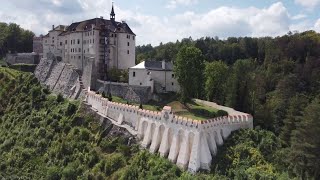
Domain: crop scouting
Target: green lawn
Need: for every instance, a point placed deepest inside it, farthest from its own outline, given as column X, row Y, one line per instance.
column 190, row 110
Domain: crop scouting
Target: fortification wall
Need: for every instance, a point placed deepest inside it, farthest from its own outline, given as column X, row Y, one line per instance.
column 230, row 111
column 87, row 73
column 191, row 144
column 44, row 68
column 59, row 77
column 22, row 58
column 124, row 90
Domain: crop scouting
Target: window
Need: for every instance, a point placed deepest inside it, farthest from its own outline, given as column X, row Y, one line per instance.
column 79, row 57
column 140, row 84
column 52, row 41
column 60, row 43
column 84, row 51
column 133, row 37
column 134, row 74
column 128, row 44
column 111, row 35
column 172, row 84
column 71, row 42
column 52, row 37
column 93, row 33
column 79, row 49
column 115, row 35
column 172, row 75
column 90, row 33
column 78, row 41
column 66, row 42
column 128, row 51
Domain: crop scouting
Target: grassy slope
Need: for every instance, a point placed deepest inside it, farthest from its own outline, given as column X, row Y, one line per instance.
column 191, row 110
column 47, row 137
column 44, row 136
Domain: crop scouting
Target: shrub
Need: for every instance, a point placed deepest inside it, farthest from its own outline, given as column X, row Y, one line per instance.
column 103, row 94
column 222, row 113
column 71, row 109
column 53, row 173
column 60, row 98
column 109, row 96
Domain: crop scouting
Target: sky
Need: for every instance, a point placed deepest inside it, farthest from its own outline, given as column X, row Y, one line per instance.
column 169, row 20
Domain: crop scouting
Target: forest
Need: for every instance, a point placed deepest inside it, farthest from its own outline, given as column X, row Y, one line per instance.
column 13, row 39
column 277, row 80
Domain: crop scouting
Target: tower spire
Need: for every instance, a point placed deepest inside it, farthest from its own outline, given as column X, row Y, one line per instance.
column 112, row 14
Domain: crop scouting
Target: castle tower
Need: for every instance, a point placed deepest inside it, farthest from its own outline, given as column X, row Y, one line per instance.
column 112, row 14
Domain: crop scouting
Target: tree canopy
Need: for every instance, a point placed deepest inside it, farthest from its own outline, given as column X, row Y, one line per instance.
column 13, row 38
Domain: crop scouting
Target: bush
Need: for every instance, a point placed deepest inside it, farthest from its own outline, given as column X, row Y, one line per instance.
column 71, row 109
column 109, row 96
column 103, row 94
column 53, row 173
column 222, row 113
column 60, row 98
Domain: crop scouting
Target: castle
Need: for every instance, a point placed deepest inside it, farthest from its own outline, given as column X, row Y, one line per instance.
column 110, row 44
column 77, row 57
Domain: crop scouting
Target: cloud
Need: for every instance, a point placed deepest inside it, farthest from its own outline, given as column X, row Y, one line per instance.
column 223, row 21
column 298, row 17
column 317, row 25
column 310, row 4
column 172, row 4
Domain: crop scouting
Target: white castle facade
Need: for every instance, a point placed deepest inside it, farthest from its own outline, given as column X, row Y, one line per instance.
column 191, row 144
column 110, row 44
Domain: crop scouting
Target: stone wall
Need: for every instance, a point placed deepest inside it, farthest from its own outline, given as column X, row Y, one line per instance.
column 22, row 58
column 44, row 68
column 59, row 77
column 191, row 144
column 87, row 73
column 124, row 90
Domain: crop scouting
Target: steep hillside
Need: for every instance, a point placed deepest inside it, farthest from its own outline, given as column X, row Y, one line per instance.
column 43, row 136
column 46, row 136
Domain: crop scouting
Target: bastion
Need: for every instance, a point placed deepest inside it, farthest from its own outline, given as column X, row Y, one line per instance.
column 191, row 144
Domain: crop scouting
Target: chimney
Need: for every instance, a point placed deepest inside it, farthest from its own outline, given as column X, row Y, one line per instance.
column 163, row 64
column 52, row 27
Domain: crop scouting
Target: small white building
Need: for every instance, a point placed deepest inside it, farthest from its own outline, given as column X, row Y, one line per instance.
column 158, row 75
